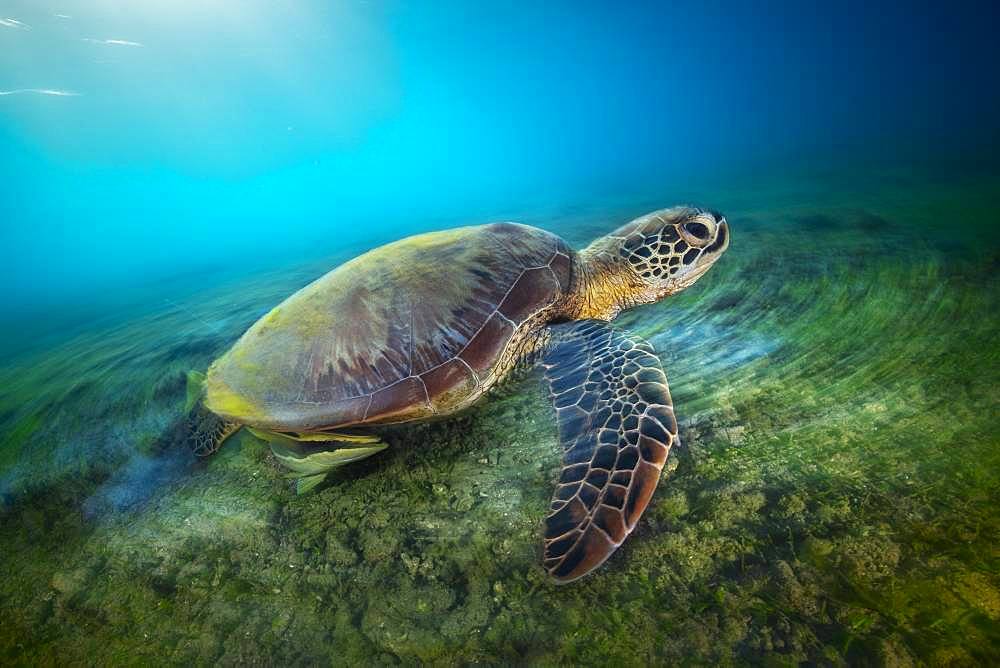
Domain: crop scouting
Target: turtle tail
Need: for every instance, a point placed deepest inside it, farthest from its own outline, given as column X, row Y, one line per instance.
column 204, row 430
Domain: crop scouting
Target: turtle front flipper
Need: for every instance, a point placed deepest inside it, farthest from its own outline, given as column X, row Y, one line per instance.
column 206, row 431
column 616, row 427
column 310, row 463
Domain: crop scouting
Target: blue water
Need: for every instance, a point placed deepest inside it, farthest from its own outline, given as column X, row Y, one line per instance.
column 194, row 134
column 170, row 170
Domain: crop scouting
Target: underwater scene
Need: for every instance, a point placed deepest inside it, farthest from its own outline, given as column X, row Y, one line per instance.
column 172, row 173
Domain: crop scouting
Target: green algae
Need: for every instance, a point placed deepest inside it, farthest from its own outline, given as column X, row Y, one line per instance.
column 13, row 442
column 833, row 501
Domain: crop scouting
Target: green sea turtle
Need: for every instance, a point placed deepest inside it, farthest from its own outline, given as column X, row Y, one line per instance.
column 423, row 327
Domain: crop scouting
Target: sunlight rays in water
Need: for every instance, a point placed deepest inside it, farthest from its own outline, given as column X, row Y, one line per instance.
column 40, row 91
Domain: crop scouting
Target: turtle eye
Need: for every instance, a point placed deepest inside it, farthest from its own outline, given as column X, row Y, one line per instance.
column 697, row 230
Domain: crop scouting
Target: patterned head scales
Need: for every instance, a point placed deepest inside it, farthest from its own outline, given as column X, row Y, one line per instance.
column 670, row 249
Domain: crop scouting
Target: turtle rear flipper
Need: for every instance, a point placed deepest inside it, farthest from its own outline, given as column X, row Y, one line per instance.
column 616, row 426
column 310, row 464
column 205, row 431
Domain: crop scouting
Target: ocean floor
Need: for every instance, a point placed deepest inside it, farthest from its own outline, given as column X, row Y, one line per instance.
column 835, row 500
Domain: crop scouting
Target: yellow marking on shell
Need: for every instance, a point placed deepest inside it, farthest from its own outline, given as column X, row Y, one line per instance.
column 366, row 280
column 272, row 316
column 435, row 239
column 255, row 376
column 308, row 323
column 404, row 262
column 364, row 286
column 222, row 401
column 360, row 312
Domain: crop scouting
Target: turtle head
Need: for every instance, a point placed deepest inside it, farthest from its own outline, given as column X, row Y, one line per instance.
column 669, row 250
column 654, row 256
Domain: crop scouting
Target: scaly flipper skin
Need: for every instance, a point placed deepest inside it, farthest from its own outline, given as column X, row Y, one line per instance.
column 616, row 426
column 207, row 431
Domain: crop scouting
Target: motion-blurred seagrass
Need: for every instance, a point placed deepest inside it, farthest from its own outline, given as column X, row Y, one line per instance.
column 423, row 327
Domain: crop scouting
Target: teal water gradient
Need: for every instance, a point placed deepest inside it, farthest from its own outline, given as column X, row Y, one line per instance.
column 171, row 171
column 201, row 133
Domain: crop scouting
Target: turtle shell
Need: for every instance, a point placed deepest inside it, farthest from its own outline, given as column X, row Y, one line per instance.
column 405, row 331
